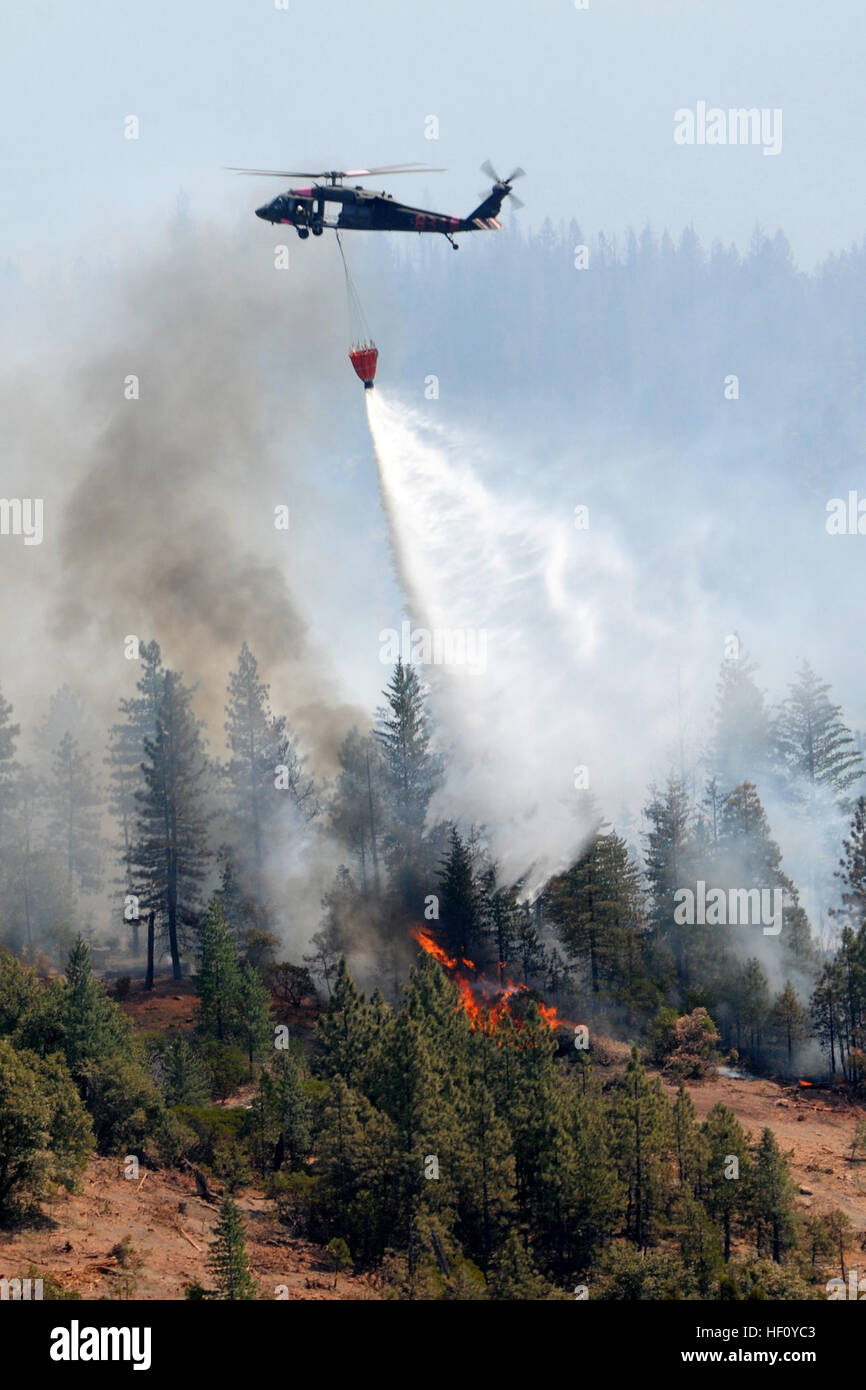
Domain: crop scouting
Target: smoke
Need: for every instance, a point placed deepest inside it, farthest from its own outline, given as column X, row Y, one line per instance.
column 178, row 404
column 169, row 446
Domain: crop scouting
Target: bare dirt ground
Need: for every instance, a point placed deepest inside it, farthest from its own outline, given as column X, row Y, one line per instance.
column 817, row 1126
column 74, row 1243
column 170, row 1008
column 75, row 1240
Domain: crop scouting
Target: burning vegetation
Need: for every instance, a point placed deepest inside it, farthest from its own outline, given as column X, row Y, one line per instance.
column 486, row 1002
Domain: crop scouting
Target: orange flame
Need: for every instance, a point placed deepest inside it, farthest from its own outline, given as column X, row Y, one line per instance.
column 485, row 1003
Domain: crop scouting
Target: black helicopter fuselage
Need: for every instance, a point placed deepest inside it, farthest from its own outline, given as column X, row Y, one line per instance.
column 361, row 209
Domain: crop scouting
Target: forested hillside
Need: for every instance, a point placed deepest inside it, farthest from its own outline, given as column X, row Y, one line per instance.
column 452, row 1131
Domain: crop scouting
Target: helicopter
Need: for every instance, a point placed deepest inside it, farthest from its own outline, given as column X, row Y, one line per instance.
column 362, row 209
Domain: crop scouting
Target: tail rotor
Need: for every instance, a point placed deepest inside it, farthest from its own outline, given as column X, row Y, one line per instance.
column 503, row 186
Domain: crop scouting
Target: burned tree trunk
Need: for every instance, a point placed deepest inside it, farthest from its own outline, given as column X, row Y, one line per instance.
column 148, row 979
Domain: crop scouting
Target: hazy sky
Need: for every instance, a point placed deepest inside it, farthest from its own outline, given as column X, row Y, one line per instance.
column 583, row 99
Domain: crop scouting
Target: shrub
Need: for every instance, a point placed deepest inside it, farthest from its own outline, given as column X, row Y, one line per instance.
column 230, row 1164
column 45, row 1134
column 125, row 1254
column 210, row 1125
column 227, row 1066
column 693, row 1052
column 126, row 1106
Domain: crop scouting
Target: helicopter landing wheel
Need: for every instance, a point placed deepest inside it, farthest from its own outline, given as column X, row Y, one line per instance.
column 303, row 233
column 317, row 228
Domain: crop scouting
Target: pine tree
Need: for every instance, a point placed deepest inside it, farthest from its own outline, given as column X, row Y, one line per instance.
column 847, row 999
column 260, row 742
column 125, row 758
column 255, row 1021
column 250, row 770
column 817, row 1244
column 812, row 741
column 411, row 775
column 411, row 1097
column 219, row 978
column 291, row 1108
column 712, row 801
column 266, row 1148
column 484, row 1158
column 743, row 733
column 669, row 866
column 514, row 1277
column 749, row 994
column 748, row 852
column 598, row 1194
column 345, row 1030
column 227, row 1260
column 771, row 1198
column 93, row 1026
column 837, row 1226
column 67, row 714
column 852, row 867
column 828, row 1012
column 500, row 916
column 235, row 906
column 460, row 909
column 8, row 769
column 789, row 1020
column 527, row 942
column 749, row 858
column 686, row 1140
column 73, row 817
column 424, row 1129
column 597, row 907
column 356, row 811
column 356, row 1197
column 33, row 891
column 541, row 1122
column 434, row 1002
column 171, row 848
column 185, row 1078
column 725, row 1179
column 700, row 1243
column 343, row 921
column 642, row 1130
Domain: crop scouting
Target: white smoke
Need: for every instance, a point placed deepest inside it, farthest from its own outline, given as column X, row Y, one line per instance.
column 580, row 668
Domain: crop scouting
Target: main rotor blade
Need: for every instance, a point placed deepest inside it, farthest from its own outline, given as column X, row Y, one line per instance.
column 335, row 173
column 398, row 169
column 277, row 173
